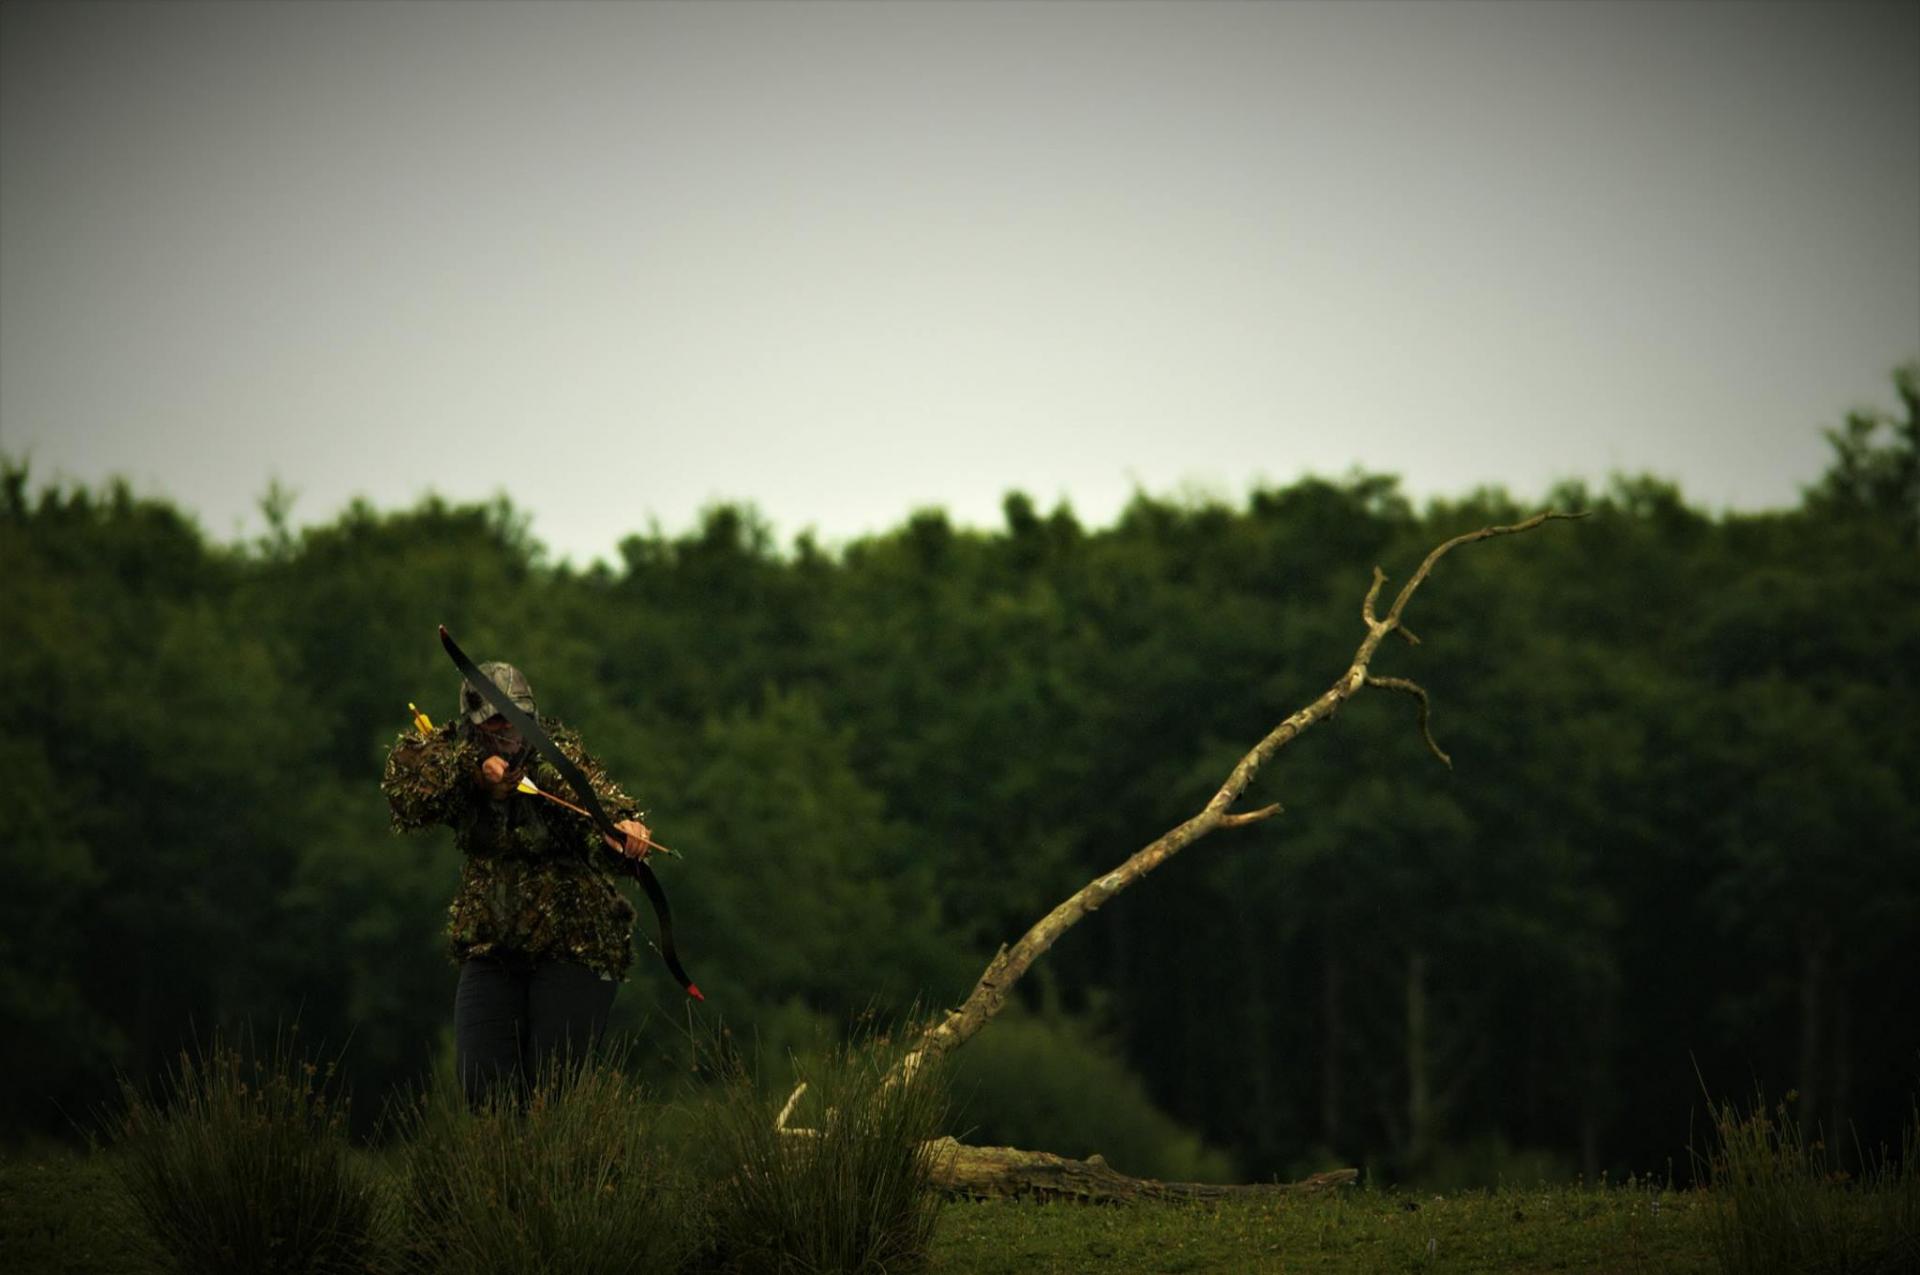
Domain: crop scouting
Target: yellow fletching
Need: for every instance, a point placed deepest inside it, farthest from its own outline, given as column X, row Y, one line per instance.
column 421, row 722
column 526, row 785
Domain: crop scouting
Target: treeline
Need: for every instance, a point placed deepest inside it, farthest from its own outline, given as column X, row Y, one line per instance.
column 1682, row 830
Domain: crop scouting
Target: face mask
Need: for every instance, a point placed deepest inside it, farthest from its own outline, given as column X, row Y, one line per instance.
column 503, row 739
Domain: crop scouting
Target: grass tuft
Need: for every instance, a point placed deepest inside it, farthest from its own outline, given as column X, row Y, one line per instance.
column 846, row 1189
column 241, row 1163
column 571, row 1178
column 1778, row 1203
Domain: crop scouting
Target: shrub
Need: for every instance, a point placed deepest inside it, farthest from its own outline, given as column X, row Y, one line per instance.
column 572, row 1178
column 1047, row 1084
column 1778, row 1204
column 242, row 1164
column 847, row 1189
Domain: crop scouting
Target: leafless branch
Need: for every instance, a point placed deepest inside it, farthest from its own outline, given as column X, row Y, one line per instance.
column 1414, row 689
column 1250, row 816
column 1010, row 963
column 1373, row 596
column 786, row 1112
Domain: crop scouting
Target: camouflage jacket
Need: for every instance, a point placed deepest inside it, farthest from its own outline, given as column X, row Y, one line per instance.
column 538, row 881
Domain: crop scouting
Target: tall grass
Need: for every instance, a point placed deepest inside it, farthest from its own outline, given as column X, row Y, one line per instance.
column 241, row 1163
column 847, row 1188
column 572, row 1179
column 1778, row 1204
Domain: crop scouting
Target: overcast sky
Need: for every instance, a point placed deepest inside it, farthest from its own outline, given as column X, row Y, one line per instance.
column 849, row 260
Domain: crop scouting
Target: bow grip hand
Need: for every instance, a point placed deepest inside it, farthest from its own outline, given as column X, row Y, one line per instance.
column 638, row 841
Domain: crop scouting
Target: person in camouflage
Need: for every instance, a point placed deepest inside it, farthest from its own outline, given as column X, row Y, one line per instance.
column 541, row 933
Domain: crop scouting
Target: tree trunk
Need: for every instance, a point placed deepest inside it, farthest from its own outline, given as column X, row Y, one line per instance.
column 1533, row 1080
column 1334, row 1028
column 1813, row 980
column 1420, row 1132
column 1842, row 1081
column 1258, row 1026
column 1594, row 1091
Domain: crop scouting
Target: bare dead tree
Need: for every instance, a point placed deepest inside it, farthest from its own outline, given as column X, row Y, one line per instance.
column 990, row 993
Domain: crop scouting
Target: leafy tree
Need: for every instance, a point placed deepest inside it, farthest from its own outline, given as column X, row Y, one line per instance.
column 1871, row 479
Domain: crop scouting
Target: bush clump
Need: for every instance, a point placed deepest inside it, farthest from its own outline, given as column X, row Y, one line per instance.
column 845, row 1187
column 568, row 1176
column 241, row 1163
column 1779, row 1203
column 1046, row 1082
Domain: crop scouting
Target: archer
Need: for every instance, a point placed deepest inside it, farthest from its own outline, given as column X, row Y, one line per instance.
column 540, row 931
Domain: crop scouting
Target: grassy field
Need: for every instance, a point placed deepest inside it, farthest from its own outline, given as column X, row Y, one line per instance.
column 62, row 1212
column 1545, row 1229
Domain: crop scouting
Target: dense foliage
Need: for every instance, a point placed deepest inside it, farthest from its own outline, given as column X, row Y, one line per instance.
column 1682, row 827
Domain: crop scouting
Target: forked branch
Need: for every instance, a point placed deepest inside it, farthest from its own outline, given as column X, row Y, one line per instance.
column 1007, row 966
column 989, row 993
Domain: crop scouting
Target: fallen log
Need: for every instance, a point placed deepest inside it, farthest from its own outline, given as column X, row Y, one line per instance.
column 997, row 1173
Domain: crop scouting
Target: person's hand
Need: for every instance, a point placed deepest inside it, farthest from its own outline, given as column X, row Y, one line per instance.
column 639, row 842
column 497, row 778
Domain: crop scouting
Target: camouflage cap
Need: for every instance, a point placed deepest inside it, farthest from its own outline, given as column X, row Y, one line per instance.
column 474, row 705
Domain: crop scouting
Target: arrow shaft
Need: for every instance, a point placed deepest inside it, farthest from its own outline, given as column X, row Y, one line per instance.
column 568, row 805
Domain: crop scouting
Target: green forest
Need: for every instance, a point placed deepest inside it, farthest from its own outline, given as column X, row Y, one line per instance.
column 1678, row 850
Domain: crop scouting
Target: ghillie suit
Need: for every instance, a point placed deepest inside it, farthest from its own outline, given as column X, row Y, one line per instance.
column 537, row 881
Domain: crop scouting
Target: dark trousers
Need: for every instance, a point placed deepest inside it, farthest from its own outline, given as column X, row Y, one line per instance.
column 514, row 1019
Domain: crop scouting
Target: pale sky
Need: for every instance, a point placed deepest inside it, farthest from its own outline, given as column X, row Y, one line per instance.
column 844, row 261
